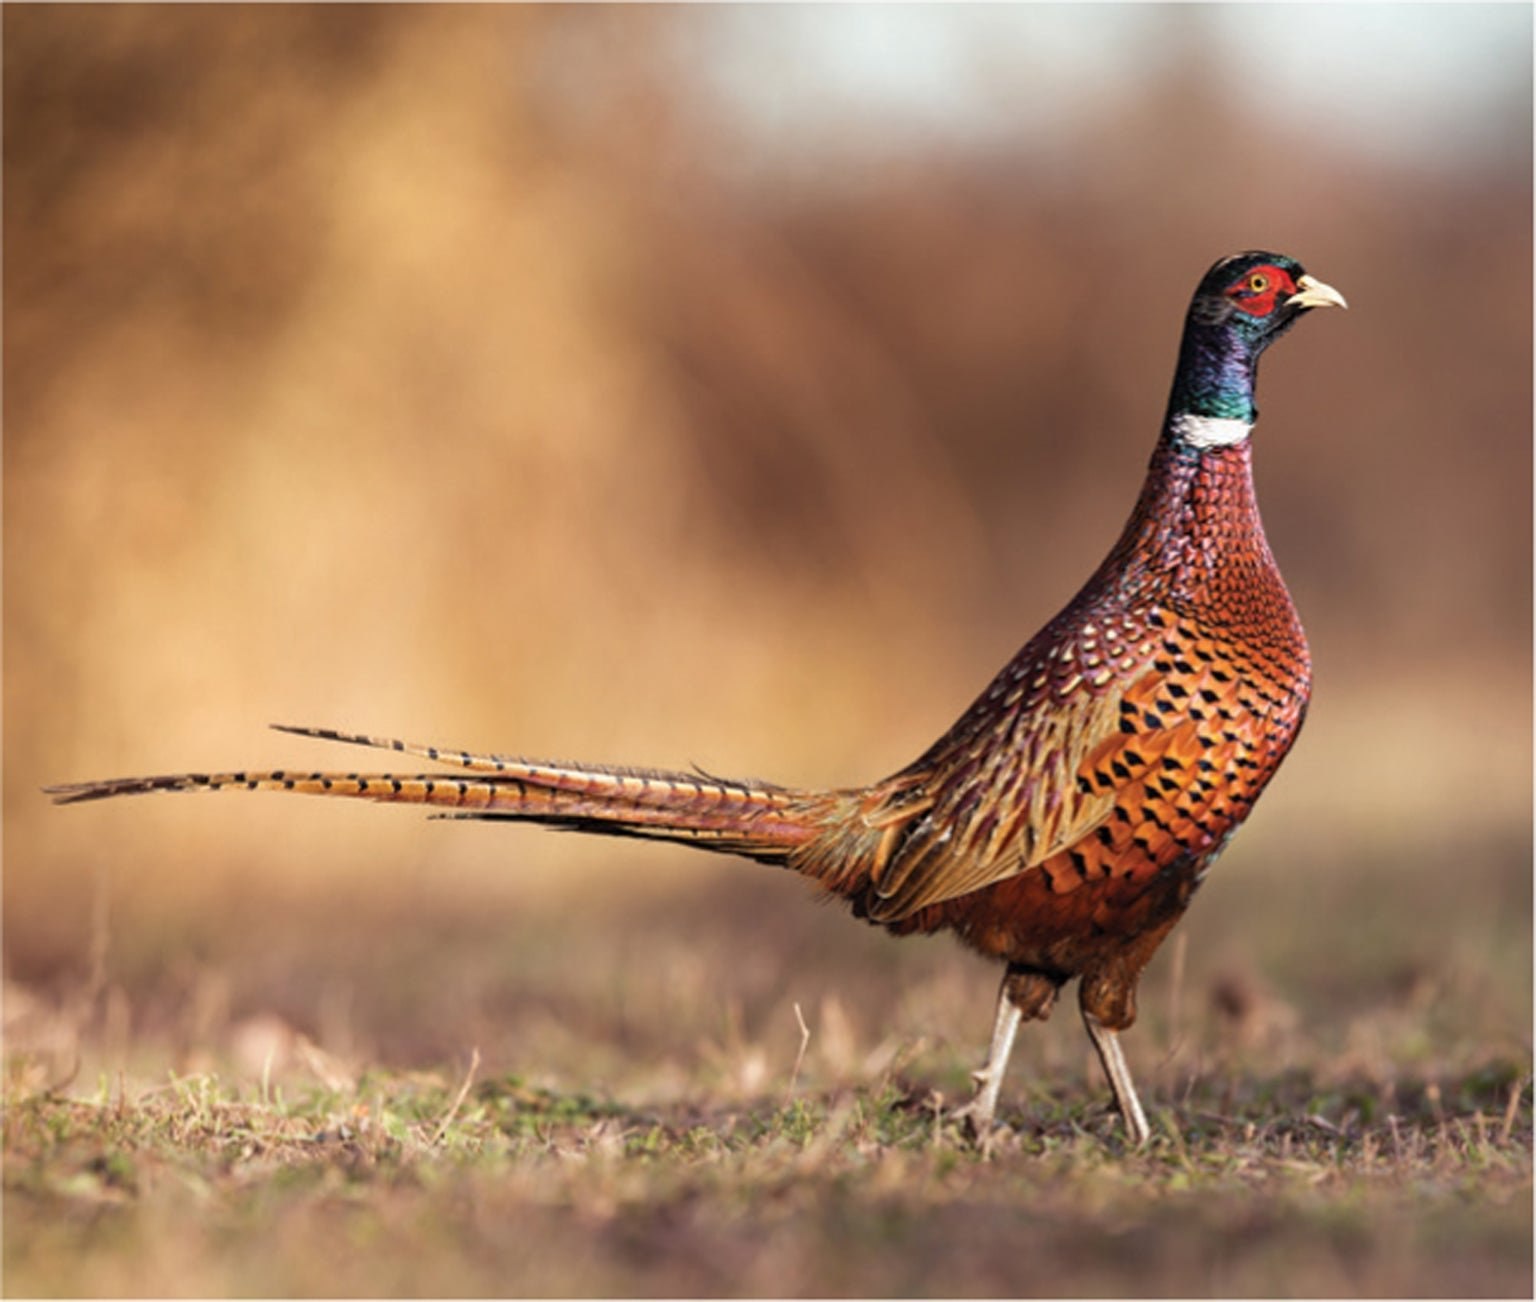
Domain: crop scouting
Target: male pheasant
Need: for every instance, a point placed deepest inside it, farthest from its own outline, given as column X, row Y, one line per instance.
column 1064, row 822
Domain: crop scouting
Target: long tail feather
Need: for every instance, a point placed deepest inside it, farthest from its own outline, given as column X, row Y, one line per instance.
column 755, row 819
column 554, row 773
column 460, row 758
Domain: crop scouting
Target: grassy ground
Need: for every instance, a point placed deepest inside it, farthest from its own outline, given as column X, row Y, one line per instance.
column 423, row 1184
column 1341, row 1109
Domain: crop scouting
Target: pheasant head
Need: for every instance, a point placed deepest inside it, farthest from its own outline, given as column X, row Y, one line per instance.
column 1243, row 304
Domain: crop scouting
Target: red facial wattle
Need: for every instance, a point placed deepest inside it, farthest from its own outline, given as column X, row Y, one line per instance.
column 1261, row 289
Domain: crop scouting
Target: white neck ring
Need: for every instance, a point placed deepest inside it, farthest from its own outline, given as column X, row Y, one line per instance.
column 1209, row 431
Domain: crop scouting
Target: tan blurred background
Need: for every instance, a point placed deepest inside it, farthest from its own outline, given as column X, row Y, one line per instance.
column 732, row 386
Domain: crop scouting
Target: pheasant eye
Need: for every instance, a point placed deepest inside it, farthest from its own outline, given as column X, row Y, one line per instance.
column 1258, row 282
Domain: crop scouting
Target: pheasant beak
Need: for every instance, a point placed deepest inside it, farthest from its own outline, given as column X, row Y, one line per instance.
column 1311, row 292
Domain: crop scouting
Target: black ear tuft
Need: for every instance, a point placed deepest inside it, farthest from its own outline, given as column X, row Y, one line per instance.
column 1210, row 308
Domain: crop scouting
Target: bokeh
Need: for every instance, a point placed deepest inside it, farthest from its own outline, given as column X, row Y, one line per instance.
column 736, row 386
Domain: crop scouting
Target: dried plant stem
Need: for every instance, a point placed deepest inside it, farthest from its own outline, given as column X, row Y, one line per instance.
column 805, row 1039
column 458, row 1099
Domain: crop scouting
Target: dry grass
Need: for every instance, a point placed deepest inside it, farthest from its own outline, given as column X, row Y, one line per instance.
column 644, row 1115
column 403, row 1186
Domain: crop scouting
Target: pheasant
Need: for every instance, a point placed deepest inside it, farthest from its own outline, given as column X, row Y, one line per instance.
column 1063, row 824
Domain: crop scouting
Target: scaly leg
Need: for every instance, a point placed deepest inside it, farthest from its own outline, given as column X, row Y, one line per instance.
column 1024, row 995
column 978, row 1113
column 1107, row 1042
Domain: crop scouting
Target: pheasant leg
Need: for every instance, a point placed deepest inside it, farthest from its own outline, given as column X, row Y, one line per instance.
column 978, row 1113
column 1107, row 1042
column 1025, row 996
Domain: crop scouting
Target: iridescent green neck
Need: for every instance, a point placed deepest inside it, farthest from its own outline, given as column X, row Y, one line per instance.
column 1216, row 374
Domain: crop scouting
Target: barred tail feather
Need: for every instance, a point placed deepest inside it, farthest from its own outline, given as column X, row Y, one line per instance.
column 755, row 819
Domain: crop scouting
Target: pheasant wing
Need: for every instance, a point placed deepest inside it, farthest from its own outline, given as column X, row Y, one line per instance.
column 1003, row 804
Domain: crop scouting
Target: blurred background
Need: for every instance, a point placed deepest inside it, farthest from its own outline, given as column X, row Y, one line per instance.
column 738, row 386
